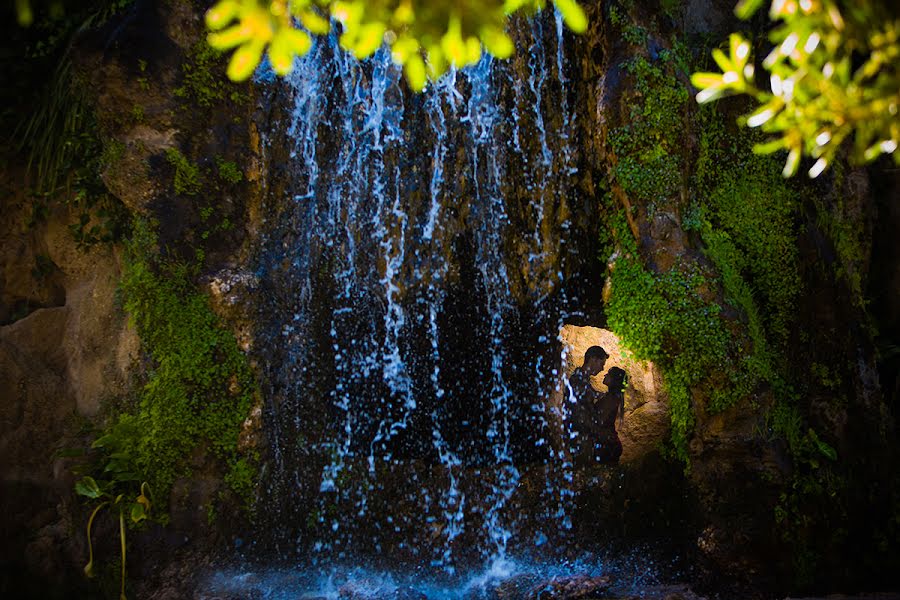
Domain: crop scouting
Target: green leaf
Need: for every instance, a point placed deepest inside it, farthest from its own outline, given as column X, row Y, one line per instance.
column 103, row 441
column 705, row 80
column 231, row 37
column 368, row 40
column 138, row 513
column 222, row 14
column 314, row 23
column 281, row 54
column 245, row 60
column 722, row 60
column 573, row 15
column 497, row 42
column 298, row 40
column 88, row 487
column 770, row 147
column 746, row 8
column 414, row 68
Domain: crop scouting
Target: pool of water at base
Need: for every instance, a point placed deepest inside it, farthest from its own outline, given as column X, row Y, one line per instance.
column 501, row 578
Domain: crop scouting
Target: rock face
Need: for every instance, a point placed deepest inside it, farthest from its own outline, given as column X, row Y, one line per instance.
column 67, row 352
column 399, row 272
column 57, row 366
column 646, row 409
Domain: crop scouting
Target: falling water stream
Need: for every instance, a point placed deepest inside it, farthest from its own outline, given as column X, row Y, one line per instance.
column 418, row 280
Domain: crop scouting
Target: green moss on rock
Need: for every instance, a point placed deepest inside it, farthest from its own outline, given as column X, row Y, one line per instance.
column 200, row 388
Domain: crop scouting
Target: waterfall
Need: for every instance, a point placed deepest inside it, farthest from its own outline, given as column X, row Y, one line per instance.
column 416, row 277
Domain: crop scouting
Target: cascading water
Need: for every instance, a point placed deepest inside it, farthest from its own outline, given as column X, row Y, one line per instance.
column 418, row 276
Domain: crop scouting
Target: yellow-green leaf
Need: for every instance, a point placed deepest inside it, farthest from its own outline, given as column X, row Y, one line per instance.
column 369, row 40
column 314, row 23
column 452, row 43
column 88, row 487
column 705, row 80
column 746, row 8
column 473, row 50
column 403, row 48
column 722, row 60
column 231, row 37
column 244, row 61
column 414, row 69
column 792, row 163
column 437, row 63
column 138, row 513
column 497, row 42
column 281, row 54
column 299, row 41
column 222, row 14
column 573, row 15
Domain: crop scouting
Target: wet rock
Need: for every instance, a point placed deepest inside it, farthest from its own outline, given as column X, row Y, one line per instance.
column 571, row 587
column 366, row 589
column 516, row 587
column 233, row 297
column 129, row 178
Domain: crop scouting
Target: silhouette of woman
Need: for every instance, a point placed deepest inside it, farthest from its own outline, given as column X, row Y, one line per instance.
column 609, row 406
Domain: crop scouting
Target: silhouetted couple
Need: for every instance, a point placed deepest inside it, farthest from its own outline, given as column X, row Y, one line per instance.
column 592, row 414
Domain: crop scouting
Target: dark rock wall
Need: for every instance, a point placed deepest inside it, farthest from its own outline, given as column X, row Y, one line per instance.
column 66, row 349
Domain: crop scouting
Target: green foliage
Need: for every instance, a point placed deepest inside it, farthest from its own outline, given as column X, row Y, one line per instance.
column 187, row 174
column 844, row 226
column 117, row 486
column 833, row 76
column 229, row 172
column 649, row 163
column 60, row 137
column 747, row 204
column 814, row 483
column 426, row 37
column 631, row 32
column 200, row 389
column 744, row 213
column 664, row 318
column 59, row 114
column 202, row 83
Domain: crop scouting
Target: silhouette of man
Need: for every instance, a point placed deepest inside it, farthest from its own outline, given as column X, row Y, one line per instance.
column 581, row 403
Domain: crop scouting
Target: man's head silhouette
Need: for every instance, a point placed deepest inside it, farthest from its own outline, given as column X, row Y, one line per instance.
column 594, row 360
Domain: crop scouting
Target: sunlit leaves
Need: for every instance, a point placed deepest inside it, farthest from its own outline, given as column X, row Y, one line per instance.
column 573, row 15
column 832, row 77
column 426, row 37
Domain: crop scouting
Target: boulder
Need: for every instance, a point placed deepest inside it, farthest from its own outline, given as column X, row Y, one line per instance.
column 646, row 421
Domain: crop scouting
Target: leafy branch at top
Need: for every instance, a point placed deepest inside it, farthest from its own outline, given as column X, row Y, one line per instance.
column 427, row 37
column 833, row 76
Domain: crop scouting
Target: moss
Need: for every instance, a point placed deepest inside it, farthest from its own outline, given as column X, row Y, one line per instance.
column 631, row 32
column 665, row 319
column 200, row 388
column 229, row 172
column 744, row 213
column 187, row 174
column 649, row 162
column 745, row 197
column 203, row 81
column 847, row 234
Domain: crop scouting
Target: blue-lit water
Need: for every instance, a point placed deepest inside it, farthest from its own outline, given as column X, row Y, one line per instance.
column 630, row 578
column 417, row 273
